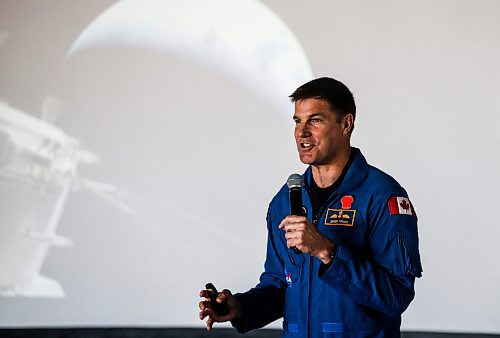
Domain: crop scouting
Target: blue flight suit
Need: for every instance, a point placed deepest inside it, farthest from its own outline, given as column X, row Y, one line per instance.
column 371, row 279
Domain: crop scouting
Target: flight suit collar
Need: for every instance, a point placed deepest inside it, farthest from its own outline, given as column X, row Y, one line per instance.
column 355, row 175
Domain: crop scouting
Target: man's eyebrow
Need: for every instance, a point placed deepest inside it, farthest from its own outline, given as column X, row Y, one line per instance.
column 295, row 117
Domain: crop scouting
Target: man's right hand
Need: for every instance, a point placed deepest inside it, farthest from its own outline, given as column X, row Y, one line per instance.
column 206, row 310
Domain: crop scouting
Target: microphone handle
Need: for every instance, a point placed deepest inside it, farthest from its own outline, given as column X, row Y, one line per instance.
column 296, row 208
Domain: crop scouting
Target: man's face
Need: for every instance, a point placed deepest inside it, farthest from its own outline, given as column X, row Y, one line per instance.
column 318, row 132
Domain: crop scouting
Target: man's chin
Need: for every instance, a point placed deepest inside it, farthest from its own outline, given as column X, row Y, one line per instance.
column 306, row 159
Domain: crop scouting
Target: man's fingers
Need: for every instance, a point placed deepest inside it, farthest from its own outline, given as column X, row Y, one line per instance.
column 205, row 312
column 212, row 318
column 294, row 239
column 206, row 294
column 210, row 323
column 292, row 219
column 209, row 314
column 293, row 243
column 297, row 245
column 223, row 296
column 294, row 234
column 291, row 227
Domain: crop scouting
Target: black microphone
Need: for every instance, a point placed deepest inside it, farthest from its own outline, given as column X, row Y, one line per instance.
column 294, row 184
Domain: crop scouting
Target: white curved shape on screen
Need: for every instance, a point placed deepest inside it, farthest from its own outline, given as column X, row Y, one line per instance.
column 242, row 39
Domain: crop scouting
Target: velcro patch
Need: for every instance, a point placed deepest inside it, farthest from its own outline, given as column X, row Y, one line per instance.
column 340, row 217
column 400, row 206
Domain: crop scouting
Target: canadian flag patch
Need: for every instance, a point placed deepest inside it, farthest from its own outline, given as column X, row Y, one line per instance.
column 400, row 206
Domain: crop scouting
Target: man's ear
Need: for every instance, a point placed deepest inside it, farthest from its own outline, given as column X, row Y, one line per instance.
column 347, row 124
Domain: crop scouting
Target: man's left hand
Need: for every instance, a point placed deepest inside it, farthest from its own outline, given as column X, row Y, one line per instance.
column 302, row 234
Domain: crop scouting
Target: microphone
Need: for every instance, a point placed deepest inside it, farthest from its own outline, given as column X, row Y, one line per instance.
column 294, row 184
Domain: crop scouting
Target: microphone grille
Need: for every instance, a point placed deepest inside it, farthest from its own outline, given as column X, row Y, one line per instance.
column 294, row 181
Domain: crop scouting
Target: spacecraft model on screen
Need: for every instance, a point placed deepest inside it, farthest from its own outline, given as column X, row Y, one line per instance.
column 38, row 170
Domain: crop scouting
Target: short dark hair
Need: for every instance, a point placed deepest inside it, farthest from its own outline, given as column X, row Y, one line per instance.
column 334, row 92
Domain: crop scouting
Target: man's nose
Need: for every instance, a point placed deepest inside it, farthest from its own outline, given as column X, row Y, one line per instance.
column 302, row 130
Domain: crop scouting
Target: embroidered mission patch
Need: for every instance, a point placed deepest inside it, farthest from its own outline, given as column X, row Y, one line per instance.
column 347, row 202
column 340, row 217
column 288, row 277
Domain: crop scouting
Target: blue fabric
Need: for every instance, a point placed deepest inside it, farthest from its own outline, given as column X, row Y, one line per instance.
column 333, row 327
column 291, row 327
column 371, row 280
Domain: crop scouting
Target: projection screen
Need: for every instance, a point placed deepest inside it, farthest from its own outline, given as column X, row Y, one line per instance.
column 143, row 140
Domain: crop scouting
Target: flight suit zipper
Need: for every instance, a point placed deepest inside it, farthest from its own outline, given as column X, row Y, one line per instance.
column 315, row 223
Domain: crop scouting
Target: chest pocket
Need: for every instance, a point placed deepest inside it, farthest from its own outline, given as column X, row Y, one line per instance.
column 346, row 227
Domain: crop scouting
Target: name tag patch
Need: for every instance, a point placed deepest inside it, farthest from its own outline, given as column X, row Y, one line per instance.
column 340, row 217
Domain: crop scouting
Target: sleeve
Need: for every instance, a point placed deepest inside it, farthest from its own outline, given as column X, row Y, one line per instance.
column 383, row 278
column 264, row 303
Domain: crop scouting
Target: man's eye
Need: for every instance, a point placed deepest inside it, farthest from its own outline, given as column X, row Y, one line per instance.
column 315, row 120
column 296, row 121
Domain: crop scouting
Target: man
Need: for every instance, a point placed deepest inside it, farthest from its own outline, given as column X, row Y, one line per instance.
column 359, row 256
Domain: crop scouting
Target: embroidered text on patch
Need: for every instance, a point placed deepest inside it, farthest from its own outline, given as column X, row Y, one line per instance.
column 340, row 217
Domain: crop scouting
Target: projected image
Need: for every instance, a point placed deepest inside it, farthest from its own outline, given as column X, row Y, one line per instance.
column 194, row 96
column 38, row 170
column 186, row 105
column 263, row 58
column 142, row 140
